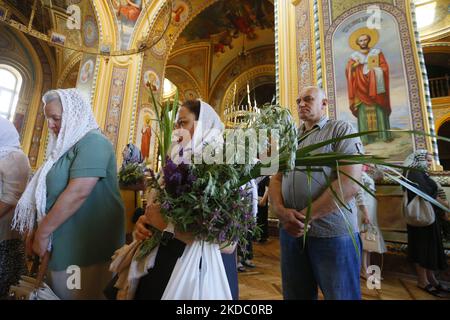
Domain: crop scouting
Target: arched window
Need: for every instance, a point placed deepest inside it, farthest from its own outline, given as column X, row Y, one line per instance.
column 10, row 83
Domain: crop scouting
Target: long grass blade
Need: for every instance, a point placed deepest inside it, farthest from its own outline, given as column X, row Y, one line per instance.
column 418, row 192
column 308, row 210
column 359, row 183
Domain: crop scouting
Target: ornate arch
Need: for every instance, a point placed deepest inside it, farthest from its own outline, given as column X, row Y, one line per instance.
column 31, row 74
column 241, row 82
column 107, row 28
column 186, row 74
column 68, row 68
column 232, row 71
column 442, row 120
column 441, row 111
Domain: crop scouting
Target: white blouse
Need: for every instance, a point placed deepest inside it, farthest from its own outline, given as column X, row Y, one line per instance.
column 14, row 173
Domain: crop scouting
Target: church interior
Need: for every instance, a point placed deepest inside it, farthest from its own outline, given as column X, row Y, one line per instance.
column 238, row 55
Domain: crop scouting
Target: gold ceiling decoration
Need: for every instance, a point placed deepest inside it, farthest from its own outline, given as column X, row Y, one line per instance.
column 59, row 40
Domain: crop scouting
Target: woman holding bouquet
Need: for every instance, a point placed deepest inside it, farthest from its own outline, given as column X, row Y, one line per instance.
column 204, row 127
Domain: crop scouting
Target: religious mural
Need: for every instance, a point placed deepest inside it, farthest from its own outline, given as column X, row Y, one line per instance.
column 225, row 21
column 86, row 75
column 369, row 82
column 304, row 44
column 180, row 11
column 127, row 13
column 90, row 31
column 152, row 80
column 146, row 134
column 115, row 104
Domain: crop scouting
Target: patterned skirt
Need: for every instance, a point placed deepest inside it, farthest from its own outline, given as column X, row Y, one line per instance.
column 12, row 264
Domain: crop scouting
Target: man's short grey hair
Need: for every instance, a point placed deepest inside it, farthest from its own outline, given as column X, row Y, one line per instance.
column 50, row 96
column 322, row 93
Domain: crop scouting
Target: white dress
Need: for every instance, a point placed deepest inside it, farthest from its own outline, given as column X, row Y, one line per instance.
column 363, row 198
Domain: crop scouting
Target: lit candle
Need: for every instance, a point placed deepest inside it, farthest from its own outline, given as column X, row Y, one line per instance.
column 234, row 95
column 248, row 95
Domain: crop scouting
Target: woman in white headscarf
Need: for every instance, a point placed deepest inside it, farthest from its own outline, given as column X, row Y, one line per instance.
column 425, row 246
column 202, row 126
column 73, row 200
column 372, row 239
column 14, row 173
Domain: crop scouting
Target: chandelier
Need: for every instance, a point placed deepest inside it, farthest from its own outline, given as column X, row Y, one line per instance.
column 236, row 114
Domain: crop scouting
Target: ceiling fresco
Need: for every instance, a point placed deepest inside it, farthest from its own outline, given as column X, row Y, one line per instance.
column 226, row 20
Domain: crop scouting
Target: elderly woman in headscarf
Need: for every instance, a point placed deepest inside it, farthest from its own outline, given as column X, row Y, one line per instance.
column 74, row 200
column 14, row 173
column 367, row 218
column 204, row 127
column 425, row 247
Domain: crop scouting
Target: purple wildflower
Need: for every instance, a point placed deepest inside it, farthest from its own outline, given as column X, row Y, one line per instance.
column 166, row 206
column 222, row 236
column 191, row 178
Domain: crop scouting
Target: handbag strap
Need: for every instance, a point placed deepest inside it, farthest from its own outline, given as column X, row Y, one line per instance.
column 43, row 266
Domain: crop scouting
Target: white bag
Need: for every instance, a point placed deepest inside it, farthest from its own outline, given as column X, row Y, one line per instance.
column 27, row 289
column 199, row 274
column 419, row 212
column 30, row 288
column 371, row 239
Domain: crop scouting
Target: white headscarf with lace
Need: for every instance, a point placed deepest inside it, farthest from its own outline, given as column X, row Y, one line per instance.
column 77, row 120
column 417, row 159
column 9, row 138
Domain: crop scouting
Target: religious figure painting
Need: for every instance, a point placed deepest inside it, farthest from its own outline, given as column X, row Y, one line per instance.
column 367, row 73
column 151, row 80
column 371, row 87
column 223, row 22
column 90, row 31
column 86, row 71
column 180, row 11
column 127, row 13
column 85, row 79
column 146, row 137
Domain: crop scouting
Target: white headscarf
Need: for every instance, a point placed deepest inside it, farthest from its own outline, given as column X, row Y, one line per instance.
column 208, row 131
column 209, row 128
column 417, row 159
column 77, row 121
column 9, row 138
